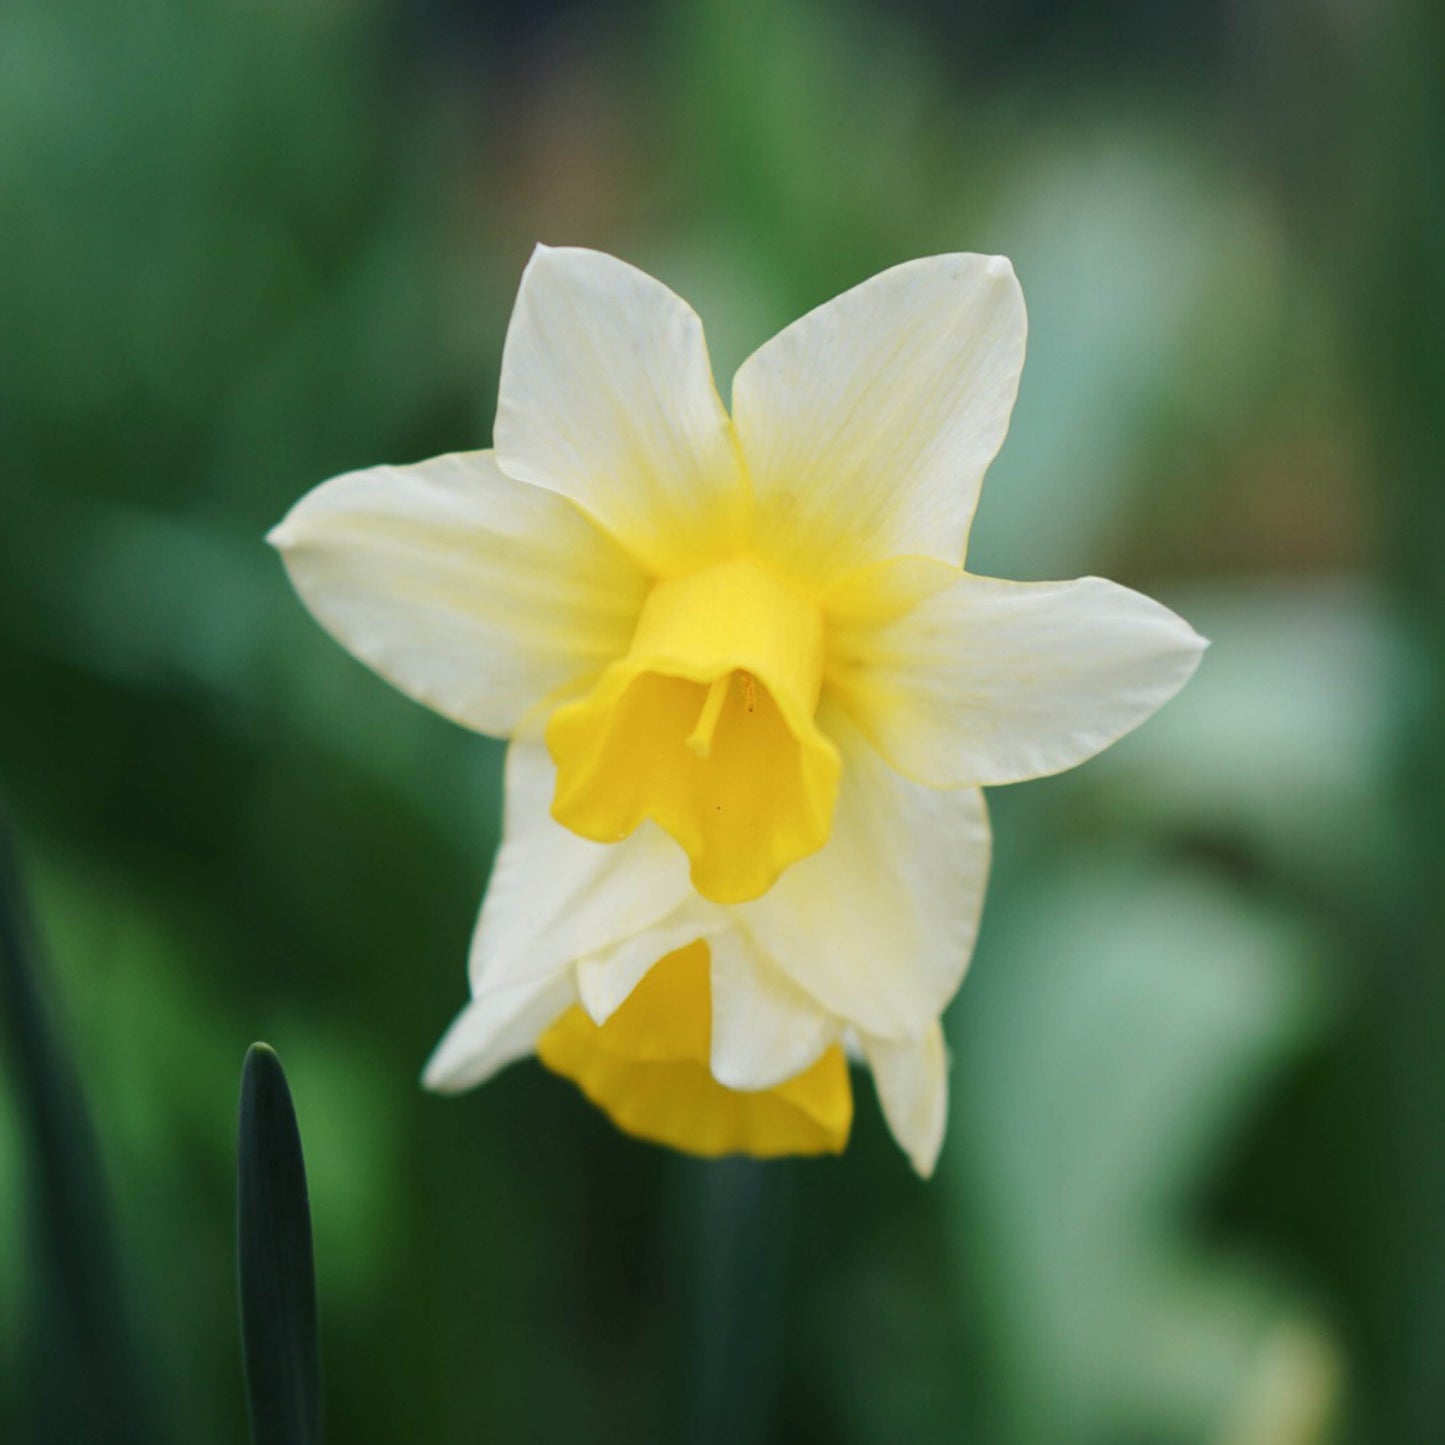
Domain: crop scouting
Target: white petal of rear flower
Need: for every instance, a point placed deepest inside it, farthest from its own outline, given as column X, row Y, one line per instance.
column 495, row 1030
column 607, row 397
column 475, row 594
column 606, row 979
column 911, row 1076
column 868, row 424
column 554, row 898
column 991, row 682
column 764, row 1028
column 878, row 926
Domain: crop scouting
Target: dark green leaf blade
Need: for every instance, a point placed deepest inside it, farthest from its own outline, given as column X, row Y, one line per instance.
column 277, row 1272
column 88, row 1377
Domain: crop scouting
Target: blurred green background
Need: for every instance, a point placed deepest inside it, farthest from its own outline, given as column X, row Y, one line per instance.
column 1194, row 1183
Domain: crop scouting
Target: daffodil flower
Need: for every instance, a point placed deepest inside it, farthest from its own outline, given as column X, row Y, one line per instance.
column 754, row 691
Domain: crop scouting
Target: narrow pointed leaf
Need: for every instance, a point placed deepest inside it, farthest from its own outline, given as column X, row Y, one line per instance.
column 85, row 1375
column 277, row 1274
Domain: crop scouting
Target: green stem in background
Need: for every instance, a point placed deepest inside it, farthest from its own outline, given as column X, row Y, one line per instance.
column 1400, row 305
column 83, row 1369
column 277, row 1274
column 731, row 1237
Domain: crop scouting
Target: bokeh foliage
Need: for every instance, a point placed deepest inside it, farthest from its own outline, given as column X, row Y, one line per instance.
column 1192, row 1187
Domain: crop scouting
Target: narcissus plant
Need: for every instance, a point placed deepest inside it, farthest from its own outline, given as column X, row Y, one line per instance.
column 753, row 693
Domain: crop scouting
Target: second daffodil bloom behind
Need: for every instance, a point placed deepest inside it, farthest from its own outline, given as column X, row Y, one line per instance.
column 753, row 694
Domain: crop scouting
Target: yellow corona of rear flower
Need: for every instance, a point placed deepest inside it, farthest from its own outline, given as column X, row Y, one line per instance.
column 649, row 1067
column 753, row 693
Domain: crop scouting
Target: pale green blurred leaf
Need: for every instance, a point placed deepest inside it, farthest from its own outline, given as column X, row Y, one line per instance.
column 1122, row 1022
column 1154, row 296
column 1281, row 746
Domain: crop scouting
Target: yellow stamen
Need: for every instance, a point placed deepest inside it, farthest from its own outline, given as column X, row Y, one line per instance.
column 699, row 740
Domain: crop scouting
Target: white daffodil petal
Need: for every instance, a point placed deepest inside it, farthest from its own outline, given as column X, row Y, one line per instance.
column 765, row 1029
column 607, row 397
column 606, row 979
column 879, row 925
column 555, row 898
column 911, row 1076
column 471, row 592
column 994, row 682
column 868, row 424
column 495, row 1030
